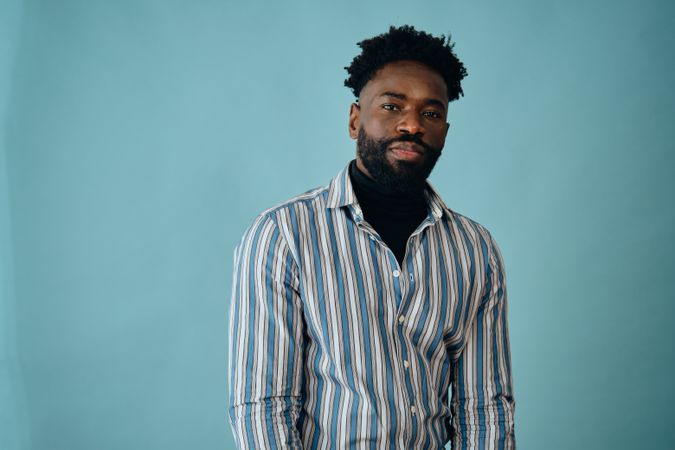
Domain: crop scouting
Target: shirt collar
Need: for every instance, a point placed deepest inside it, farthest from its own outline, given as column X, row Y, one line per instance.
column 436, row 205
column 341, row 193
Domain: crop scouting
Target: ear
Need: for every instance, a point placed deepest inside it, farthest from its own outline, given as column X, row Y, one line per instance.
column 354, row 122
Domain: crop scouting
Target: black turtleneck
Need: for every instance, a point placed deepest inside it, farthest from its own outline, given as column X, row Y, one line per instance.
column 393, row 216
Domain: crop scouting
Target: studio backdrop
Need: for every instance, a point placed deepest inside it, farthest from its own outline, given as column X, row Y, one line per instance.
column 138, row 139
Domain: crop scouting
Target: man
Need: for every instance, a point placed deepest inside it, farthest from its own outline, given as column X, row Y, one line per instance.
column 358, row 306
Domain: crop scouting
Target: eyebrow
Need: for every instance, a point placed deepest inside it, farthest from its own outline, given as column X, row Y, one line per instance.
column 428, row 101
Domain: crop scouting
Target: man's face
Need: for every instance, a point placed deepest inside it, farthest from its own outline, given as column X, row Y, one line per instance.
column 400, row 125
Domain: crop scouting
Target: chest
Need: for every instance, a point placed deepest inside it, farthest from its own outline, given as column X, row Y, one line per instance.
column 351, row 282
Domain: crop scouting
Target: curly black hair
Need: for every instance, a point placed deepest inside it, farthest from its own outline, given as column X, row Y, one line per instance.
column 406, row 43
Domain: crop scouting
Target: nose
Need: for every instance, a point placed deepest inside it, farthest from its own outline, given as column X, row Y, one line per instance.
column 410, row 124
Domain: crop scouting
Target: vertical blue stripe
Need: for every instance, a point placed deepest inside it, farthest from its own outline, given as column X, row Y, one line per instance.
column 421, row 326
column 251, row 328
column 463, row 430
column 364, row 308
column 318, row 278
column 480, row 347
column 495, row 353
column 271, row 332
column 472, row 266
column 292, row 344
column 498, row 386
column 459, row 282
column 479, row 379
column 235, row 328
column 384, row 331
column 311, row 331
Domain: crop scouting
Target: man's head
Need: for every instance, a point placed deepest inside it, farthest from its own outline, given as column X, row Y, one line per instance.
column 404, row 80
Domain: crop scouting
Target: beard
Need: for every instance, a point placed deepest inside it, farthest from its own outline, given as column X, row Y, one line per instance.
column 398, row 177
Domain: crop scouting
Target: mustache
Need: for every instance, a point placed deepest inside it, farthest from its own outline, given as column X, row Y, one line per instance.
column 414, row 138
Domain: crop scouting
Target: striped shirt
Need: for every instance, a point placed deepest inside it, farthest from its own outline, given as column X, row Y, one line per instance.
column 334, row 345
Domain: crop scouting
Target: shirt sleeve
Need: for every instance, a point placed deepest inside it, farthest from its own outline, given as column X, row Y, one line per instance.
column 482, row 393
column 265, row 341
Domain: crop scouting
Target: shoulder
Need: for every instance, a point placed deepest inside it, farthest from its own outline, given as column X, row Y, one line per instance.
column 283, row 215
column 467, row 225
column 464, row 231
column 314, row 198
column 470, row 233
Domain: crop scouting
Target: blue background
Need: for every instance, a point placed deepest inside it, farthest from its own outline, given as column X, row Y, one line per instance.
column 139, row 138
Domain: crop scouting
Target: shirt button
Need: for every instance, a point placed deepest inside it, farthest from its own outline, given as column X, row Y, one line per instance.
column 413, row 410
column 396, row 273
column 411, row 277
column 401, row 319
column 406, row 364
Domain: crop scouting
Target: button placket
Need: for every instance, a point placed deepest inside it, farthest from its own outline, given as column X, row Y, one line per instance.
column 403, row 369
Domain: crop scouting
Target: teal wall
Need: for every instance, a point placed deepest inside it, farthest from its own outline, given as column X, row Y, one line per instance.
column 138, row 139
column 14, row 422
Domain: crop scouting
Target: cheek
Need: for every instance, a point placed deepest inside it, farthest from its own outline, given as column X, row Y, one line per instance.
column 375, row 124
column 382, row 132
column 436, row 138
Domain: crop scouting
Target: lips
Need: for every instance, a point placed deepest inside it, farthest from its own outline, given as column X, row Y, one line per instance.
column 407, row 151
column 408, row 147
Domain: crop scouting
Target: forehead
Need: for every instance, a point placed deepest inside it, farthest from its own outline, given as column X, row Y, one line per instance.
column 412, row 78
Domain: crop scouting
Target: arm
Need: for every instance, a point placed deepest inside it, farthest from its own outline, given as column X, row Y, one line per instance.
column 266, row 336
column 482, row 393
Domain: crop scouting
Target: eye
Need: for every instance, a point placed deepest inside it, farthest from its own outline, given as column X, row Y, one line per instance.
column 390, row 107
column 431, row 114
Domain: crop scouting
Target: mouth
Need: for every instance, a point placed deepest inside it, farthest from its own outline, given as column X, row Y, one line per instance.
column 408, row 151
